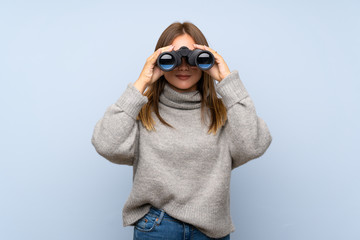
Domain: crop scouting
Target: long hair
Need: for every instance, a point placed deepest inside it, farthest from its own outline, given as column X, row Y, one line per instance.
column 205, row 85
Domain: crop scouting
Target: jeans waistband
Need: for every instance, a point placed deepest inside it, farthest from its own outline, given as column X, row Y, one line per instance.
column 158, row 212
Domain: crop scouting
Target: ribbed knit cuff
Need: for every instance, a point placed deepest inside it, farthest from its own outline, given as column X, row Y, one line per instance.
column 131, row 101
column 231, row 89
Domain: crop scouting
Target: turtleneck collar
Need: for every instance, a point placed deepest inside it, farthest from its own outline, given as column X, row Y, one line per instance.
column 174, row 99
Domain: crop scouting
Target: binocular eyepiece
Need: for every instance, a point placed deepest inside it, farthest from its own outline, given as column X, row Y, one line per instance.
column 203, row 59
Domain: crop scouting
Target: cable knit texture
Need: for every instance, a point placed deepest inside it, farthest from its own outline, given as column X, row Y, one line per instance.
column 183, row 170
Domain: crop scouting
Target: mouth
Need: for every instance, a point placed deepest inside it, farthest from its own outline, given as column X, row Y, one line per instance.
column 183, row 76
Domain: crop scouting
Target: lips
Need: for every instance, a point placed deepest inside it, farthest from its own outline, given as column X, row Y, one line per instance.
column 183, row 76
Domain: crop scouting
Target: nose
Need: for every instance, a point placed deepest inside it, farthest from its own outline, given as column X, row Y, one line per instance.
column 183, row 66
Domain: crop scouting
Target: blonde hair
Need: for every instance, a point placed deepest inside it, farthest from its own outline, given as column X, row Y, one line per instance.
column 205, row 85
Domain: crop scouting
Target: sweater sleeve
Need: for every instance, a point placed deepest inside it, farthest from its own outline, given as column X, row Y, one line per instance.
column 115, row 136
column 248, row 135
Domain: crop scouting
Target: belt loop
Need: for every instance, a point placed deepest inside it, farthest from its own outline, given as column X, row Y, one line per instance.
column 159, row 219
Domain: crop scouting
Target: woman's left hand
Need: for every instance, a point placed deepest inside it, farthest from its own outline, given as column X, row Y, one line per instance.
column 220, row 69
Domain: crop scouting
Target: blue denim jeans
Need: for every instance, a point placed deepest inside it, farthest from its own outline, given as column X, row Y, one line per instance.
column 157, row 224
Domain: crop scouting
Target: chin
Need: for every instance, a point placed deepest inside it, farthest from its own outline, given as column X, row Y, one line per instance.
column 184, row 86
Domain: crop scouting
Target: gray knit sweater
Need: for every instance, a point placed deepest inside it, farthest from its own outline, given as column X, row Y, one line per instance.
column 184, row 171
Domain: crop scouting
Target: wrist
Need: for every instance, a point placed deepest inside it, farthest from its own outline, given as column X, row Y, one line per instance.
column 224, row 75
column 141, row 84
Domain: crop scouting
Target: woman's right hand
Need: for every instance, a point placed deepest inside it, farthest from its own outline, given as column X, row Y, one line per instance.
column 151, row 72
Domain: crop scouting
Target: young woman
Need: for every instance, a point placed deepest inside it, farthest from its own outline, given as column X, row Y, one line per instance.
column 183, row 141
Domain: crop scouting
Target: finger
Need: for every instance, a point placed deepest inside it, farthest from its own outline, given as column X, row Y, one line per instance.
column 203, row 47
column 152, row 59
column 210, row 50
column 167, row 48
column 156, row 54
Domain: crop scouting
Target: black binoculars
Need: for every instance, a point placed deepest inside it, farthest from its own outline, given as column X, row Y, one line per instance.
column 203, row 59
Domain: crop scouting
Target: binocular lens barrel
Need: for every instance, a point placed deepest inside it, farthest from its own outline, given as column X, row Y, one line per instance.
column 167, row 62
column 203, row 59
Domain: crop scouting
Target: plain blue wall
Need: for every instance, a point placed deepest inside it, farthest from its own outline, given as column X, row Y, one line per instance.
column 62, row 63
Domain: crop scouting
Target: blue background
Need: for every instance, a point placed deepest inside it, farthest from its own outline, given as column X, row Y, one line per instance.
column 62, row 63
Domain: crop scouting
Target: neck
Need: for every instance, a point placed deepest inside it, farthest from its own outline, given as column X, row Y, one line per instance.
column 180, row 100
